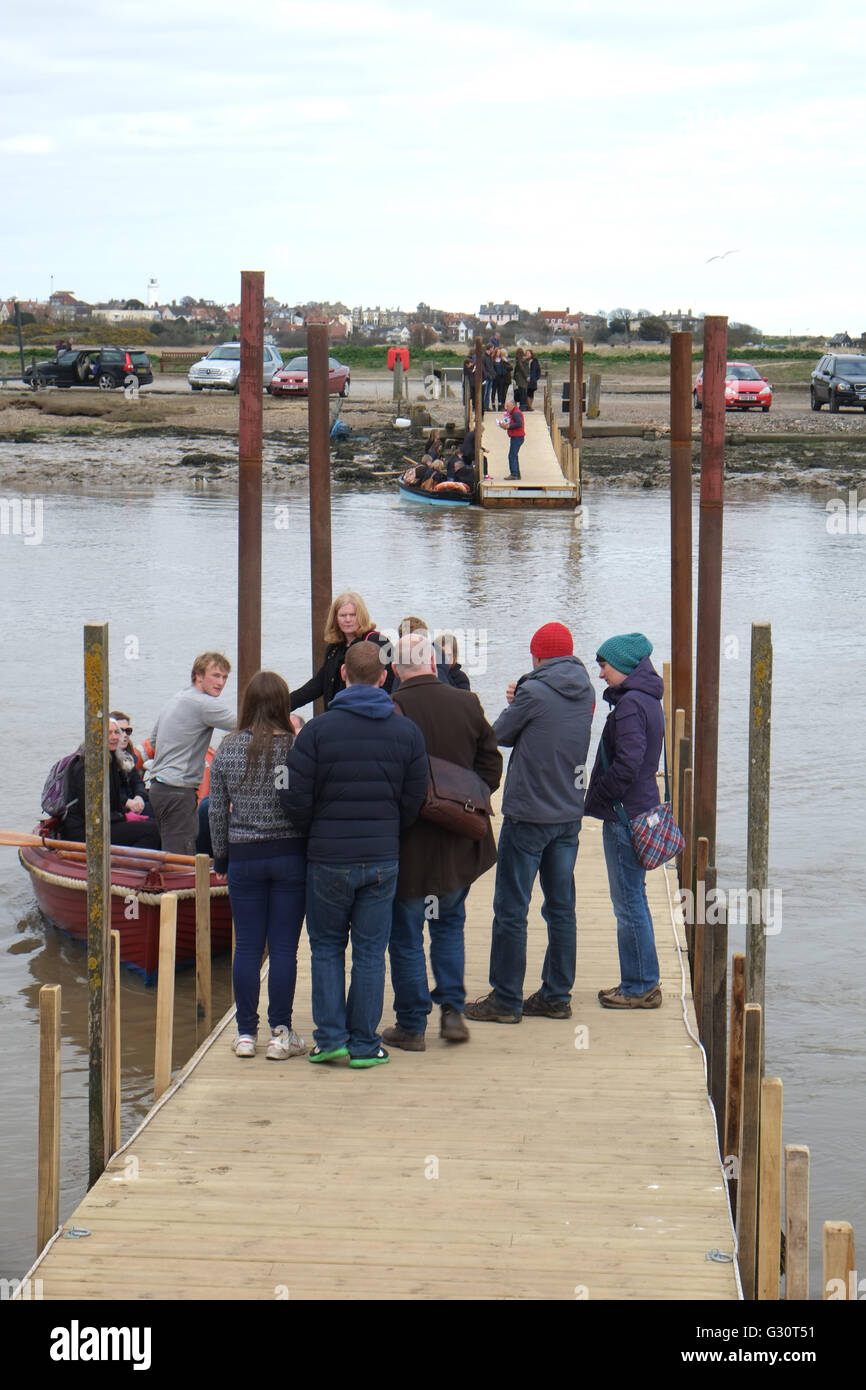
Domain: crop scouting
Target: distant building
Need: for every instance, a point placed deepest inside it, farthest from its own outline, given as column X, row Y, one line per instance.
column 151, row 297
column 498, row 314
column 841, row 340
column 560, row 320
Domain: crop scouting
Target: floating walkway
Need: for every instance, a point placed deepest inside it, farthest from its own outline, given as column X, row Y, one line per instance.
column 551, row 1160
column 542, row 481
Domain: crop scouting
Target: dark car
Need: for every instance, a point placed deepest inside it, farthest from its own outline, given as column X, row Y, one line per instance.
column 839, row 379
column 142, row 366
column 105, row 367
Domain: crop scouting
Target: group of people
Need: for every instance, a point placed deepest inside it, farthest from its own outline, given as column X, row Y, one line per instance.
column 498, row 374
column 326, row 821
column 435, row 468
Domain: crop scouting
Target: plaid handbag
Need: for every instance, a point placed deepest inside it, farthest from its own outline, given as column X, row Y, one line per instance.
column 655, row 835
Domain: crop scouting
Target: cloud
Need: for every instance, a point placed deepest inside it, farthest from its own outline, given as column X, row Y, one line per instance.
column 28, row 144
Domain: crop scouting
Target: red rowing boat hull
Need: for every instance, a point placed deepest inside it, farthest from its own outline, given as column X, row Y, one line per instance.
column 134, row 908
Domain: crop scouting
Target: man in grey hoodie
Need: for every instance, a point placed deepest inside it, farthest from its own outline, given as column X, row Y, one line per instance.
column 547, row 725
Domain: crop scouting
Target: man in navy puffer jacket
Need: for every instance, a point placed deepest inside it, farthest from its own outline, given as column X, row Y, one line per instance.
column 357, row 777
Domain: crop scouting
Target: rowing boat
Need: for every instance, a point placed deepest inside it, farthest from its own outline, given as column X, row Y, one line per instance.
column 60, row 884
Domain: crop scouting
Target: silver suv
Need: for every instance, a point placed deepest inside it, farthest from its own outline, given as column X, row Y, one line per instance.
column 221, row 369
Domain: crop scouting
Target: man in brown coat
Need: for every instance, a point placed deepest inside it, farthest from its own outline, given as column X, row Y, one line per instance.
column 437, row 866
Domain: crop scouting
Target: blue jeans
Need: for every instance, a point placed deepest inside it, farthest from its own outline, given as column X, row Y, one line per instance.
column 413, row 999
column 638, row 962
column 526, row 849
column 267, row 900
column 513, row 450
column 344, row 898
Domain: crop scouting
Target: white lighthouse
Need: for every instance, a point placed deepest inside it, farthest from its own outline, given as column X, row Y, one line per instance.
column 152, row 298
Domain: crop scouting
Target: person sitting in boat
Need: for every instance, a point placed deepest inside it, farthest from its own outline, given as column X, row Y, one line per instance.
column 126, row 745
column 434, row 446
column 122, row 831
column 348, row 621
column 459, row 471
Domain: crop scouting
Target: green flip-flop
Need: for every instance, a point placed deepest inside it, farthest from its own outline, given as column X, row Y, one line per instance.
column 379, row 1060
column 317, row 1055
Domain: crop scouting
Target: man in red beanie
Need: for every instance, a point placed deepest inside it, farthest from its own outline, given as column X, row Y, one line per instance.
column 547, row 725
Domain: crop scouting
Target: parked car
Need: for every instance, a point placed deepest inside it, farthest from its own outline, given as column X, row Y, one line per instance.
column 294, row 381
column 105, row 367
column 221, row 369
column 745, row 388
column 142, row 366
column 839, row 380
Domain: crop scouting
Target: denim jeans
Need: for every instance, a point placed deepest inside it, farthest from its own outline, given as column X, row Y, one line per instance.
column 344, row 899
column 413, row 999
column 513, row 450
column 526, row 849
column 638, row 962
column 267, row 901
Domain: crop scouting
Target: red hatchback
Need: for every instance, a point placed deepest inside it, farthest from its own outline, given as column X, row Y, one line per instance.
column 745, row 388
column 293, row 379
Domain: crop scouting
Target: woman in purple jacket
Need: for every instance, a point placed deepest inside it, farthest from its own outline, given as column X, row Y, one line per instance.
column 625, row 772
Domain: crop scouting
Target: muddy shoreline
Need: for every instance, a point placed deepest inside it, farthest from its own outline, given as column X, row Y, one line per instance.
column 50, row 440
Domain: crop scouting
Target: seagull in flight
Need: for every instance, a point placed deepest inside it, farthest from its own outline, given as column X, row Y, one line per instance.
column 722, row 256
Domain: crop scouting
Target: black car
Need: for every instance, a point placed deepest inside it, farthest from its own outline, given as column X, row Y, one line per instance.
column 142, row 366
column 839, row 380
column 105, row 367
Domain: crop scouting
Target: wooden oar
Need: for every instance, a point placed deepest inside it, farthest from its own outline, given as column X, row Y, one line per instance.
column 120, row 860
column 22, row 841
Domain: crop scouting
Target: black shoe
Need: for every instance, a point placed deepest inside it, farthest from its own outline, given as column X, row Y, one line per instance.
column 538, row 1007
column 489, row 1010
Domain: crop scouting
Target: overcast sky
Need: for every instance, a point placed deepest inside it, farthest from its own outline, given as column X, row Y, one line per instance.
column 558, row 153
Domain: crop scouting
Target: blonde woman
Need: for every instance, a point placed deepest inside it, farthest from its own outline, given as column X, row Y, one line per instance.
column 348, row 621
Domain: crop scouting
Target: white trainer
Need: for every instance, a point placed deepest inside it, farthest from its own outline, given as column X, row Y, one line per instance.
column 284, row 1043
column 245, row 1045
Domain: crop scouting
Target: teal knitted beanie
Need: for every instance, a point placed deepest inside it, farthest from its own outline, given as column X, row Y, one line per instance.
column 624, row 653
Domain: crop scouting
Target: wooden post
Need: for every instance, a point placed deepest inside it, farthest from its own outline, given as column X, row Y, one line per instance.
column 699, row 960
column 573, row 398
column 320, row 487
column 796, row 1222
column 97, row 836
column 479, row 409
column 757, row 853
column 203, row 995
column 674, row 760
column 578, row 421
column 686, row 828
column 709, row 639
column 666, row 703
column 114, row 1136
column 706, row 972
column 593, row 401
column 398, row 379
column 770, row 1190
column 48, row 1193
column 734, row 1103
column 250, row 478
column 750, row 1135
column 838, row 1260
column 165, row 994
column 681, row 522
column 718, row 1072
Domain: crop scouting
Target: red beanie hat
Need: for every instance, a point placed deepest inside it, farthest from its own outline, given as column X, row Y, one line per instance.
column 554, row 639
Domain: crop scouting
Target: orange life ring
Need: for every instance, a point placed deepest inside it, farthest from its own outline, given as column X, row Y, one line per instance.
column 452, row 485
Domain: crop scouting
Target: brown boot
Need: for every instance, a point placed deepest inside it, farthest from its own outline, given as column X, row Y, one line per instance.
column 409, row 1042
column 452, row 1027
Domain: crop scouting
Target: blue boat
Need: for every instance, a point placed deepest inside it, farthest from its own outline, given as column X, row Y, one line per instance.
column 435, row 499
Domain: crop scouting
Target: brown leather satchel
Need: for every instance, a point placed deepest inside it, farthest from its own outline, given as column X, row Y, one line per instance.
column 457, row 799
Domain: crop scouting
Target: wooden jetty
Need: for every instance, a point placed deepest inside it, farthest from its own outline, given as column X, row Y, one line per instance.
column 552, row 1160
column 543, row 483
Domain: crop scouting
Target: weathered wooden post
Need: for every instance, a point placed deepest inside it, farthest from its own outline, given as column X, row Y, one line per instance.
column 578, row 364
column 397, row 384
column 699, row 958
column 114, row 1135
column 757, row 853
column 165, row 994
column 770, row 1190
column 734, row 1104
column 250, row 478
column 203, row 992
column 750, row 1134
column 706, row 744
column 718, row 1070
column 681, row 523
column 97, row 837
column 796, row 1222
column 593, row 402
column 320, row 486
column 838, row 1246
column 573, row 399
column 479, row 409
column 48, row 1185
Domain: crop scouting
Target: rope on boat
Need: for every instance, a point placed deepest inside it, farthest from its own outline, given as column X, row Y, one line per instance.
column 118, row 890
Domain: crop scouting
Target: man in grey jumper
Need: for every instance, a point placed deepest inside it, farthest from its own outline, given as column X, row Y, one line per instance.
column 181, row 737
column 547, row 726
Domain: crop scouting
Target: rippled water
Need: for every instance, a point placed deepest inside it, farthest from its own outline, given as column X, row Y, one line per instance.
column 162, row 571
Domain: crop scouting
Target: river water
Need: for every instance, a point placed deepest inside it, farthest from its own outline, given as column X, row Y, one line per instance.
column 161, row 569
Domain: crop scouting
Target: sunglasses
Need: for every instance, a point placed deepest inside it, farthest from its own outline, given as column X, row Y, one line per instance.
column 124, row 730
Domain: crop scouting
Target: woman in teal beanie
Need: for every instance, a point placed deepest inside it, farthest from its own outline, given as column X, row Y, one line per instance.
column 625, row 772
